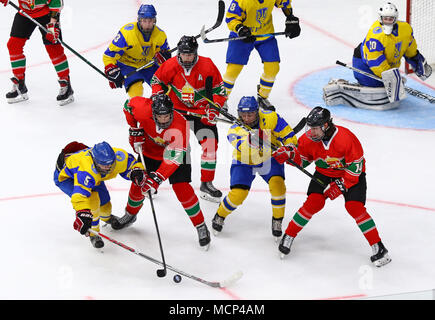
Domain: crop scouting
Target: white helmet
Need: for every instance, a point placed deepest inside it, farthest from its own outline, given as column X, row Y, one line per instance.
column 388, row 10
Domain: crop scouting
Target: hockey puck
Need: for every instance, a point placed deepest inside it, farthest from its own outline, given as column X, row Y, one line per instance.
column 177, row 278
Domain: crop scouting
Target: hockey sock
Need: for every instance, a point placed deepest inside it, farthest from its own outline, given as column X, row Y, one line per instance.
column 106, row 211
column 135, row 89
column 59, row 60
column 230, row 203
column 314, row 203
column 208, row 159
column 267, row 79
column 230, row 76
column 135, row 199
column 17, row 57
column 277, row 191
column 188, row 199
column 364, row 221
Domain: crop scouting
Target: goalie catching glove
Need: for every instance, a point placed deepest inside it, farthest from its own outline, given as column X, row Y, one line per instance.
column 420, row 66
column 334, row 189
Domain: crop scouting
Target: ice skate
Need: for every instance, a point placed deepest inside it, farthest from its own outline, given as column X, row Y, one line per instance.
column 264, row 103
column 203, row 236
column 380, row 255
column 209, row 192
column 217, row 224
column 18, row 92
column 125, row 221
column 66, row 92
column 285, row 245
column 97, row 242
column 277, row 228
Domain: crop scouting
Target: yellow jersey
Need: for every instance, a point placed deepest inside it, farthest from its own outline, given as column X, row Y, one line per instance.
column 132, row 48
column 276, row 131
column 382, row 52
column 80, row 167
column 255, row 14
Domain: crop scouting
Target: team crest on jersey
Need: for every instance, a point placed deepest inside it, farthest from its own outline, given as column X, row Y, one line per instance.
column 187, row 93
column 398, row 49
column 261, row 15
column 334, row 163
column 28, row 4
column 145, row 50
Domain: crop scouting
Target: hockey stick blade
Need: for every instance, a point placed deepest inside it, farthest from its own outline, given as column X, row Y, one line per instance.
column 231, row 280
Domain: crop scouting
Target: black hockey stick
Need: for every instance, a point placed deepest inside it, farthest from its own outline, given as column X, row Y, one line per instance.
column 160, row 272
column 220, row 18
column 204, row 38
column 60, row 41
column 221, row 284
column 412, row 92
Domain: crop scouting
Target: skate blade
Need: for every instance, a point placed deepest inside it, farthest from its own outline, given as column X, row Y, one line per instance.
column 19, row 98
column 206, row 247
column 206, row 196
column 66, row 101
column 382, row 262
column 215, row 232
column 282, row 256
column 277, row 239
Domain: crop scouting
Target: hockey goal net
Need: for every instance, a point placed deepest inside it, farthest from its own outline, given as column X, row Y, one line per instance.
column 420, row 14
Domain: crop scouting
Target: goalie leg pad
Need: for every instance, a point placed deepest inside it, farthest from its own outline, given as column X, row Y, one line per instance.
column 342, row 92
column 394, row 85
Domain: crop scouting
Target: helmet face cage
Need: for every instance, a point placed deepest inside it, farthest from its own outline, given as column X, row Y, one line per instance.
column 188, row 45
column 104, row 158
column 162, row 105
column 316, row 119
column 248, row 104
column 388, row 10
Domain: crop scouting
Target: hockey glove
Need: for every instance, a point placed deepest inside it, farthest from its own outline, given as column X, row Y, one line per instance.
column 334, row 189
column 152, row 182
column 284, row 154
column 136, row 138
column 244, row 31
column 161, row 56
column 114, row 75
column 210, row 116
column 83, row 221
column 138, row 177
column 292, row 28
column 54, row 32
column 420, row 66
column 5, row 2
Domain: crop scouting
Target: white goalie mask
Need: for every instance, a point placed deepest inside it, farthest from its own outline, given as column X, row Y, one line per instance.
column 387, row 11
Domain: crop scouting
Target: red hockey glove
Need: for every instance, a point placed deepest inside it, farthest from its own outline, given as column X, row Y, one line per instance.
column 159, row 58
column 83, row 221
column 152, row 182
column 334, row 189
column 5, row 2
column 210, row 116
column 284, row 153
column 138, row 177
column 114, row 75
column 54, row 32
column 136, row 138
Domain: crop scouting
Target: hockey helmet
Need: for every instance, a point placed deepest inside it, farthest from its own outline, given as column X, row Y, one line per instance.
column 248, row 104
column 388, row 10
column 146, row 11
column 104, row 158
column 316, row 120
column 187, row 45
column 162, row 105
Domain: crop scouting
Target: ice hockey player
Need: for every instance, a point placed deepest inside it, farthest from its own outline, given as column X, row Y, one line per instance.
column 380, row 54
column 248, row 18
column 187, row 76
column 251, row 156
column 136, row 45
column 47, row 13
column 164, row 136
column 81, row 172
column 340, row 165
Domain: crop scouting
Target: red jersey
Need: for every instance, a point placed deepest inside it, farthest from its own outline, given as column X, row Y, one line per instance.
column 342, row 157
column 39, row 8
column 174, row 76
column 168, row 145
